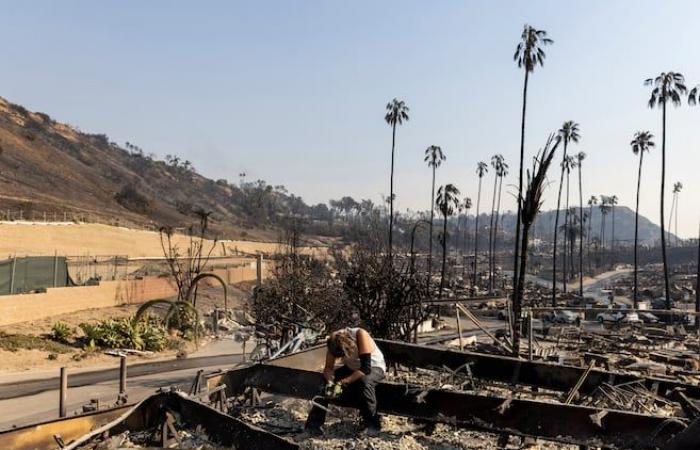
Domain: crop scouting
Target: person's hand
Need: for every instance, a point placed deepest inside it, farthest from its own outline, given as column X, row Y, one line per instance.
column 333, row 390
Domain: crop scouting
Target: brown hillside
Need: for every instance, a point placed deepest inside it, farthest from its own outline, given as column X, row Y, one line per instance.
column 47, row 166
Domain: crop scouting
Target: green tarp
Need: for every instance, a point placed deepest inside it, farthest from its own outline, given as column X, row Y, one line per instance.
column 31, row 273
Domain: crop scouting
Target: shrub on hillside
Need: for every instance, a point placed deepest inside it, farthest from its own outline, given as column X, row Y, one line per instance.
column 132, row 199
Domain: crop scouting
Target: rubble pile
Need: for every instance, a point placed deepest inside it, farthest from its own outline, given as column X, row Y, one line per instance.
column 342, row 431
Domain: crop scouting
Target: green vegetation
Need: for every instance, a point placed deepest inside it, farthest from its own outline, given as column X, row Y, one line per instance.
column 15, row 342
column 61, row 332
column 129, row 333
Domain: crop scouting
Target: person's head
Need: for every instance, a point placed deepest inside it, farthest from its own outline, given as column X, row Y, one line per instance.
column 341, row 345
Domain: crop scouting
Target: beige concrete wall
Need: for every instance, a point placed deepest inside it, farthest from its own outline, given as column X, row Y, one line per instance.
column 26, row 307
column 78, row 239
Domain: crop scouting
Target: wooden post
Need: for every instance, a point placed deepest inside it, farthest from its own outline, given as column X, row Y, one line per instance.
column 258, row 269
column 63, row 391
column 529, row 335
column 55, row 268
column 12, row 275
column 459, row 329
column 122, row 376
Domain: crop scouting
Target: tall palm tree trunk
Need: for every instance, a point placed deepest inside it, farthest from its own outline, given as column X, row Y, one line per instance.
column 636, row 231
column 444, row 255
column 493, row 208
column 580, row 242
column 670, row 217
column 495, row 231
column 430, row 236
column 556, row 230
column 516, row 256
column 391, row 193
column 566, row 237
column 602, row 238
column 476, row 236
column 663, row 187
column 612, row 237
column 588, row 237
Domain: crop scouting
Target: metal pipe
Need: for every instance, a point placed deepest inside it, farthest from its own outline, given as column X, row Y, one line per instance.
column 122, row 376
column 63, row 393
column 459, row 329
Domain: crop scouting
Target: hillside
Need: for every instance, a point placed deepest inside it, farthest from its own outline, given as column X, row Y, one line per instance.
column 49, row 167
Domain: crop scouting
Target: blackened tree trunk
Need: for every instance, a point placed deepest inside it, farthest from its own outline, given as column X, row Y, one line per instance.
column 444, row 254
column 391, row 193
column 580, row 242
column 430, row 235
column 636, row 231
column 493, row 209
column 663, row 187
column 520, row 191
column 556, row 230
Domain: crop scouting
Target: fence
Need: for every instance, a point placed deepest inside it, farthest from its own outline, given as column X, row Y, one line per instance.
column 57, row 216
column 63, row 300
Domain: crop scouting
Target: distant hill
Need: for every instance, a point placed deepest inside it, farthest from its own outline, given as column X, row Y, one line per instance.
column 649, row 232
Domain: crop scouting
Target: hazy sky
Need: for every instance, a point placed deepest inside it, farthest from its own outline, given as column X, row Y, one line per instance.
column 294, row 92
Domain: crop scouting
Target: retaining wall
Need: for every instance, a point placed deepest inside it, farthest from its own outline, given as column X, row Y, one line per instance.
column 55, row 301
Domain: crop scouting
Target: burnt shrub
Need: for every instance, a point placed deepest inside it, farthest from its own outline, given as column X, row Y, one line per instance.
column 132, row 199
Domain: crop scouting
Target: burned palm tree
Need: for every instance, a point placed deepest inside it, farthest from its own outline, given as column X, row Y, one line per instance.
column 668, row 87
column 569, row 132
column 434, row 157
column 641, row 143
column 481, row 170
column 580, row 156
column 446, row 202
column 396, row 114
column 528, row 54
column 591, row 203
column 677, row 188
column 497, row 162
column 502, row 173
column 531, row 204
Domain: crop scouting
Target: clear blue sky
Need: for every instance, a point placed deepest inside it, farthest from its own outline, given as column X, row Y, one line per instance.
column 294, row 91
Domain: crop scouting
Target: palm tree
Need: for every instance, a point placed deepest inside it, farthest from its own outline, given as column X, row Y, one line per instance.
column 591, row 202
column 396, row 114
column 446, row 202
column 642, row 142
column 434, row 157
column 569, row 132
column 612, row 201
column 467, row 203
column 569, row 163
column 677, row 187
column 528, row 54
column 481, row 170
column 580, row 156
column 496, row 162
column 604, row 210
column 502, row 172
column 667, row 87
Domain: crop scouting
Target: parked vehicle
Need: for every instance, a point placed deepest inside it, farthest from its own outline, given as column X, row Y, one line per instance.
column 648, row 317
column 630, row 318
column 609, row 317
column 565, row 317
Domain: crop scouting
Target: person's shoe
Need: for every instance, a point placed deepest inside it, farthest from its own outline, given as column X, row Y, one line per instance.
column 372, row 427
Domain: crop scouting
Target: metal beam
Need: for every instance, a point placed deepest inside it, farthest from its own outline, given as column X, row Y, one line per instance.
column 557, row 377
column 570, row 424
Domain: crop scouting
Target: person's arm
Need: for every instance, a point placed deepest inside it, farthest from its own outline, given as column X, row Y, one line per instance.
column 328, row 367
column 364, row 351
